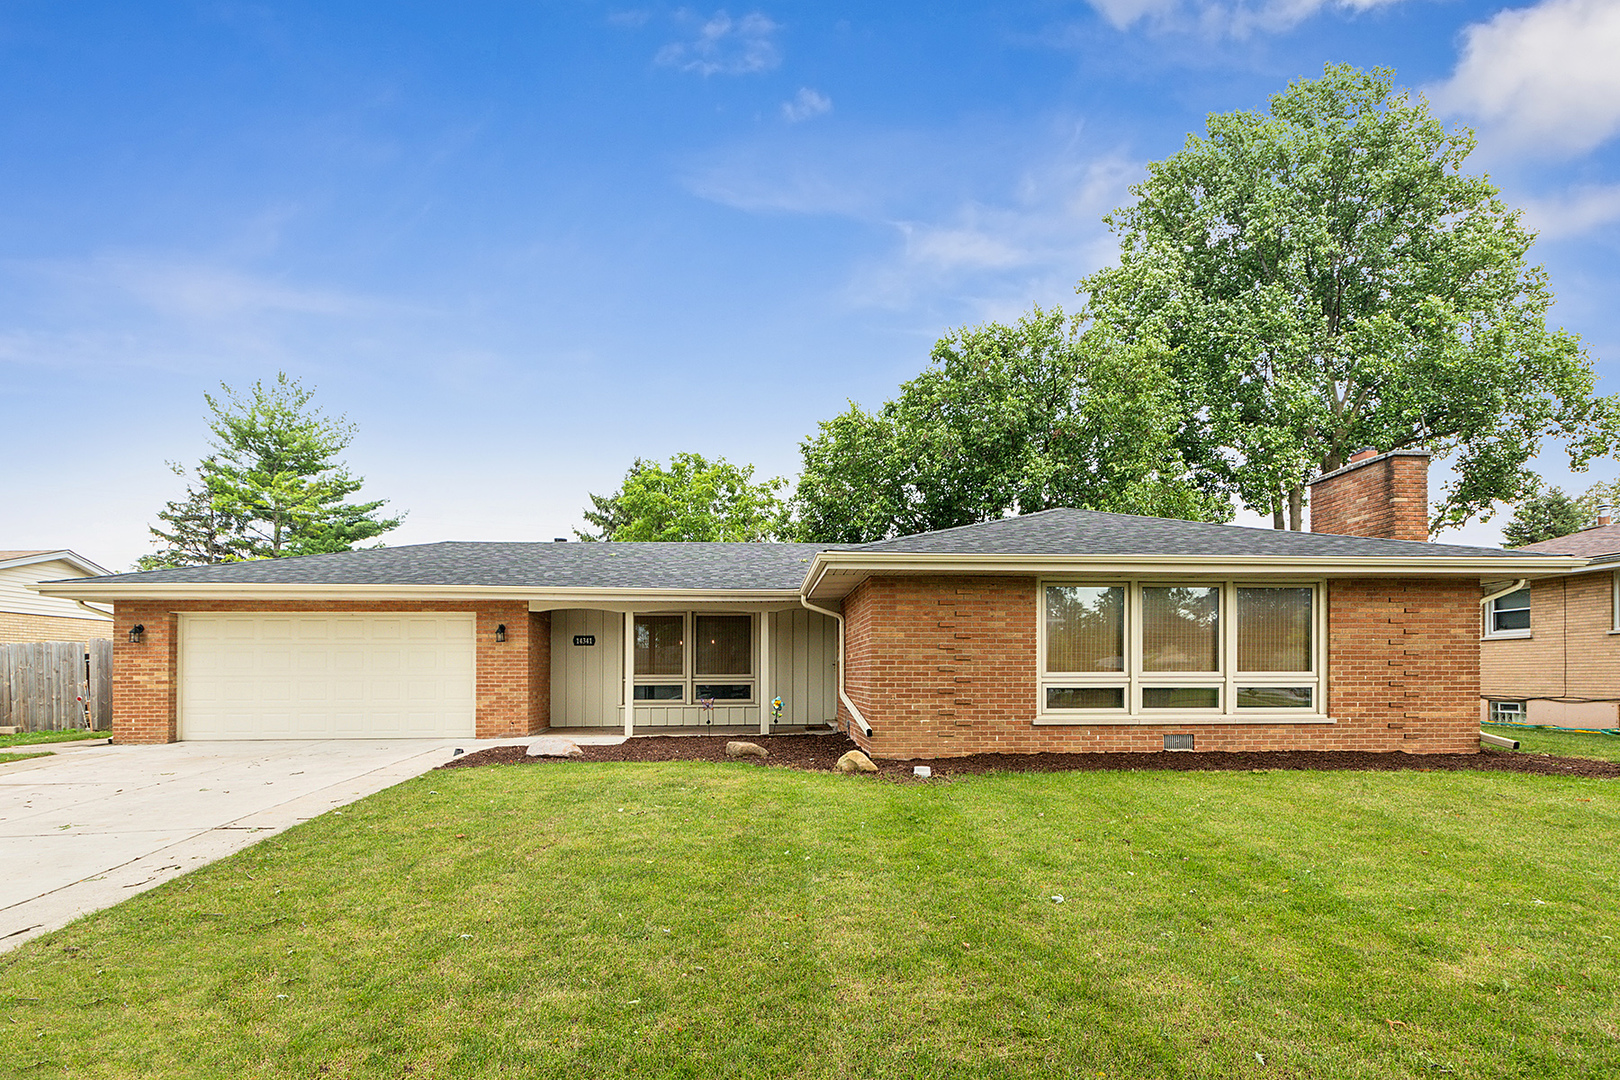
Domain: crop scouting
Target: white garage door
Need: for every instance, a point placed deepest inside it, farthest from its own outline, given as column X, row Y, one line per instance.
column 314, row 676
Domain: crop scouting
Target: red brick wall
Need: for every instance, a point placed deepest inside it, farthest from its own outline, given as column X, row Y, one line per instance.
column 942, row 667
column 1385, row 496
column 508, row 684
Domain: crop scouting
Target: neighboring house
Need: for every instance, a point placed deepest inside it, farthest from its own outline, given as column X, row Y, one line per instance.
column 25, row 615
column 1550, row 650
column 1065, row 630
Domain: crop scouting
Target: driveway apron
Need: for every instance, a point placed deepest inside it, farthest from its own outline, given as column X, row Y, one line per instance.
column 85, row 829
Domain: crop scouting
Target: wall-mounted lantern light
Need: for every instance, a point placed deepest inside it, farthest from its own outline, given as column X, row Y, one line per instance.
column 137, row 634
column 500, row 632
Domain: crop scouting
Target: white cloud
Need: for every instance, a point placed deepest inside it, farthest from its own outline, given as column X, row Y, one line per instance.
column 806, row 104
column 726, row 46
column 1575, row 213
column 1545, row 77
column 1234, row 18
column 1015, row 221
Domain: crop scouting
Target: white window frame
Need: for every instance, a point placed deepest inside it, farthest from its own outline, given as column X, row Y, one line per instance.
column 689, row 679
column 1488, row 613
column 1134, row 679
column 1523, row 711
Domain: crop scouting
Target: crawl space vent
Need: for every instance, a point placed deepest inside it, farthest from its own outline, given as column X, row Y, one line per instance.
column 1178, row 742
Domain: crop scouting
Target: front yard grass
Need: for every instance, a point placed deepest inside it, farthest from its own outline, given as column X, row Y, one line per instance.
column 34, row 738
column 1532, row 740
column 699, row 920
column 6, row 759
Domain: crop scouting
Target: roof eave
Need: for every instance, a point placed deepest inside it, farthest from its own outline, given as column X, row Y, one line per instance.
column 64, row 555
column 1323, row 566
column 113, row 592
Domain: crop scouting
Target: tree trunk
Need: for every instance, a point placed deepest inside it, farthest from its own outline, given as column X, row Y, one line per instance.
column 1277, row 513
column 1296, row 508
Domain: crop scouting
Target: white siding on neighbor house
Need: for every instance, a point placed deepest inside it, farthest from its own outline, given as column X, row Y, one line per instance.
column 16, row 596
column 587, row 681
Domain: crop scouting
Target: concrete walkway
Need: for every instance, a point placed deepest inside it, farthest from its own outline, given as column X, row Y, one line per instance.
column 85, row 829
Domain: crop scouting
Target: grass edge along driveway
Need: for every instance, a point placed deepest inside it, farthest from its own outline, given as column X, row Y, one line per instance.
column 701, row 920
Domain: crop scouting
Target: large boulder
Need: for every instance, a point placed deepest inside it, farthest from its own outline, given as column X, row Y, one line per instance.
column 746, row 749
column 856, row 762
column 554, row 746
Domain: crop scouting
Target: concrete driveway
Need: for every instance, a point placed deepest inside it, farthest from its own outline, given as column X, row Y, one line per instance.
column 91, row 826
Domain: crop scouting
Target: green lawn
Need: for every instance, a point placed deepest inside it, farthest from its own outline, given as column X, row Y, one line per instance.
column 1593, row 744
column 695, row 920
column 33, row 738
column 6, row 759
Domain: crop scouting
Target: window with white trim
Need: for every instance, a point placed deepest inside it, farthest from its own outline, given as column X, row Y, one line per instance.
column 1509, row 616
column 1507, row 712
column 1143, row 649
column 719, row 665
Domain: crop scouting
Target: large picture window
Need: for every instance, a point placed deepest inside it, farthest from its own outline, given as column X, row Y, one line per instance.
column 683, row 659
column 1137, row 651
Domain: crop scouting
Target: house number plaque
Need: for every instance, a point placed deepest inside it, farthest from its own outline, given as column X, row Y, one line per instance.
column 584, row 639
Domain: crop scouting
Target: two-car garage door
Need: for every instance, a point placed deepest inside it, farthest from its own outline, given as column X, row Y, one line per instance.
column 305, row 675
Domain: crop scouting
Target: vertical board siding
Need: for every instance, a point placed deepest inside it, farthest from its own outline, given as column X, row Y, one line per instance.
column 587, row 681
column 56, row 685
column 804, row 666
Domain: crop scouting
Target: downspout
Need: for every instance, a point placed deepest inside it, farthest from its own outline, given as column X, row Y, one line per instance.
column 1499, row 593
column 843, row 695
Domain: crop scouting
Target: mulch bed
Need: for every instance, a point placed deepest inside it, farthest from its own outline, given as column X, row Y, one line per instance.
column 819, row 753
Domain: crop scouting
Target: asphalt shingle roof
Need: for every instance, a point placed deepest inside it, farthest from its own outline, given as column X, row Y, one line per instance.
column 528, row 565
column 700, row 566
column 1088, row 532
column 1588, row 543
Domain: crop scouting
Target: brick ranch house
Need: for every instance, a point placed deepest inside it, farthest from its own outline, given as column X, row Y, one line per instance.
column 1062, row 630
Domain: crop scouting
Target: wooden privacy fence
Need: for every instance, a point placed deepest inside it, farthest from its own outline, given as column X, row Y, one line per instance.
column 56, row 685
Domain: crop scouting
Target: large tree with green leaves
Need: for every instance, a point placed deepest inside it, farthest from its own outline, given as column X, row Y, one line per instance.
column 1006, row 420
column 1325, row 276
column 273, row 485
column 692, row 498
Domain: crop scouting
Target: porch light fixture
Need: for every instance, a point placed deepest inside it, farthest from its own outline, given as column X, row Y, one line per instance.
column 137, row 634
column 500, row 632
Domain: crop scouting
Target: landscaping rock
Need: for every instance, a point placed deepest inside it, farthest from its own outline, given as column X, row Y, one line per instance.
column 746, row 749
column 854, row 762
column 554, row 746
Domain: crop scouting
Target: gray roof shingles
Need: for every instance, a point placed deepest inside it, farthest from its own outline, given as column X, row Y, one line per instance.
column 527, row 565
column 702, row 566
column 1087, row 532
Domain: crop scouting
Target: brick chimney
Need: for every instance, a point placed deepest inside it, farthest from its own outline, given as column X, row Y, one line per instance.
column 1383, row 495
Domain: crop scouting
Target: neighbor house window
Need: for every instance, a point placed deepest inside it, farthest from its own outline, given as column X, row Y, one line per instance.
column 1141, row 649
column 1509, row 616
column 683, row 659
column 1507, row 712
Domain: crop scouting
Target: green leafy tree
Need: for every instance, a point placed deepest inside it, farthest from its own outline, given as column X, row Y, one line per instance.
column 1544, row 515
column 690, row 499
column 197, row 531
column 272, row 487
column 1325, row 276
column 1006, row 420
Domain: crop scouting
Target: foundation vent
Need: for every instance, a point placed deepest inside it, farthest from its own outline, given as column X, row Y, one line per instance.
column 1178, row 742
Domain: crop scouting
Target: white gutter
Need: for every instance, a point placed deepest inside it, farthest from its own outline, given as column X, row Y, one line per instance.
column 843, row 695
column 108, row 591
column 1499, row 593
column 94, row 610
column 1495, row 567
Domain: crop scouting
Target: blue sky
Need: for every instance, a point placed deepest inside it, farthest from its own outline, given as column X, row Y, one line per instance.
column 521, row 244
